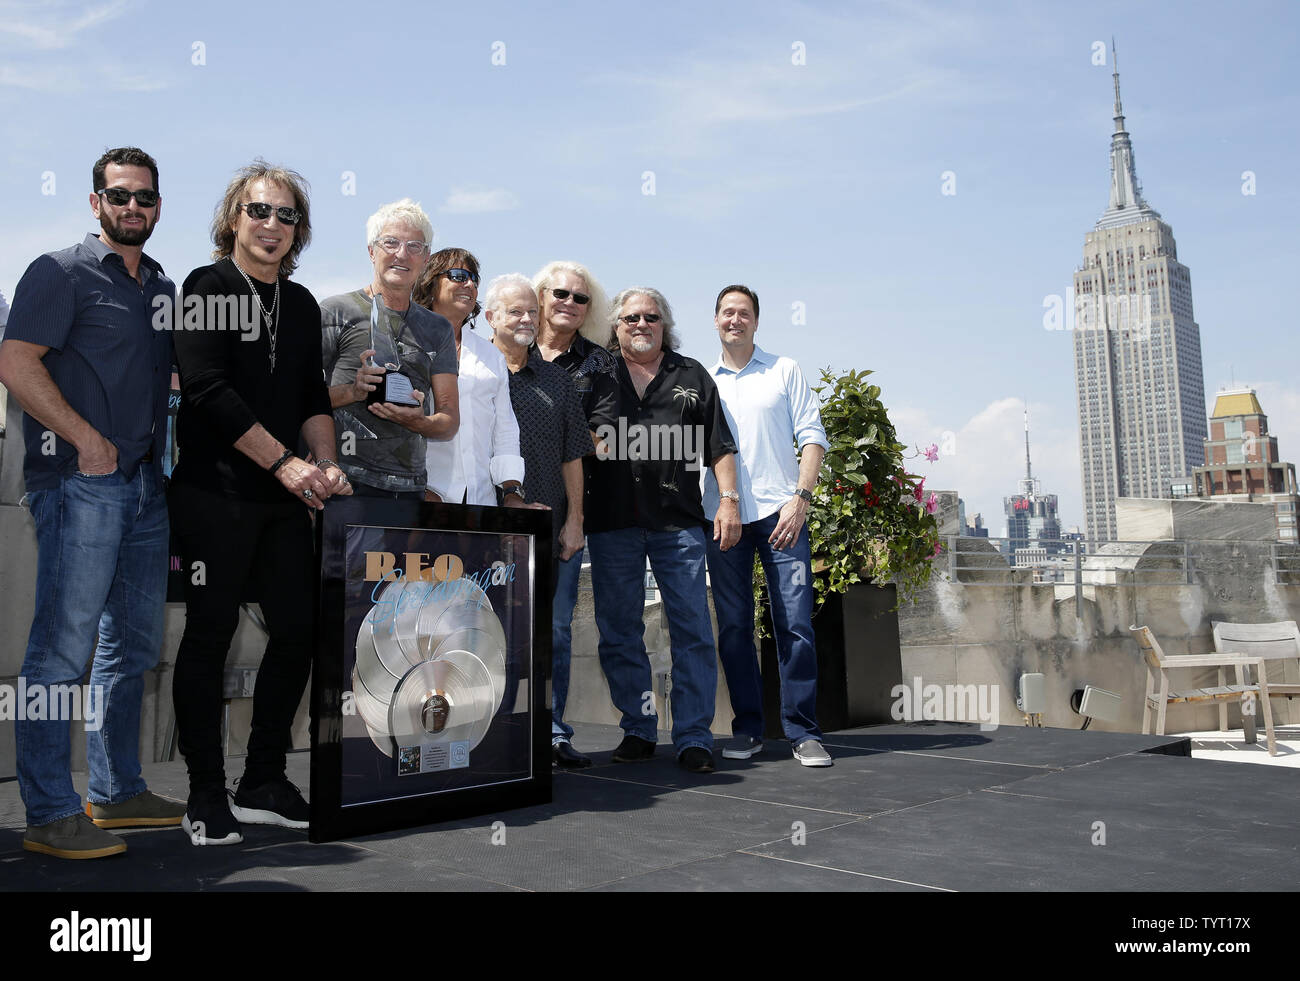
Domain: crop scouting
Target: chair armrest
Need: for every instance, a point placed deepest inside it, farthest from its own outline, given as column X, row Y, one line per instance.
column 1210, row 660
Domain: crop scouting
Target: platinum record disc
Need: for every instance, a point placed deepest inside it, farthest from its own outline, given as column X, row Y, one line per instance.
column 398, row 608
column 484, row 645
column 437, row 624
column 373, row 712
column 378, row 679
column 444, row 701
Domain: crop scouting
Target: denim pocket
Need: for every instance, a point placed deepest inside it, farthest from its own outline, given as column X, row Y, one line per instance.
column 96, row 476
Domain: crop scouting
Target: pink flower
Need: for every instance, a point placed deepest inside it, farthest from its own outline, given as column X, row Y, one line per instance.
column 920, row 488
column 932, row 452
column 938, row 547
column 932, row 504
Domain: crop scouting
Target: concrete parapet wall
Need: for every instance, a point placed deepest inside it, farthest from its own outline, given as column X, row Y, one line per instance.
column 973, row 633
column 987, row 629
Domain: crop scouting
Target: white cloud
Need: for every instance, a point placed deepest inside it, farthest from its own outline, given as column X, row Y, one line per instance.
column 61, row 29
column 476, row 200
column 37, row 81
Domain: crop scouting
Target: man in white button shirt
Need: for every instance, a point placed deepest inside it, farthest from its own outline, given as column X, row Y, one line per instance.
column 770, row 409
column 484, row 453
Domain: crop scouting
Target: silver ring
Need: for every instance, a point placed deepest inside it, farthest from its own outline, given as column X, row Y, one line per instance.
column 307, row 493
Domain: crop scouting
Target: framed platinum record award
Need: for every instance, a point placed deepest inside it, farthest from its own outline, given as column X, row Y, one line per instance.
column 431, row 683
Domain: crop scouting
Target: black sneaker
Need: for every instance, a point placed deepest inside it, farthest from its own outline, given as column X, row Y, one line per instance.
column 275, row 802
column 634, row 749
column 696, row 759
column 208, row 820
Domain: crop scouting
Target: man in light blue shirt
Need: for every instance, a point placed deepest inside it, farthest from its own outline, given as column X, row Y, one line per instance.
column 770, row 409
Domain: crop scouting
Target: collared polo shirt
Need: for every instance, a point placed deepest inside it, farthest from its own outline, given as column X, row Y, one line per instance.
column 770, row 409
column 592, row 369
column 552, row 431
column 109, row 363
column 648, row 476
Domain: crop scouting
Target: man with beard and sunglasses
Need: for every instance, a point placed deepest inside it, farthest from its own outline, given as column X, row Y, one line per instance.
column 81, row 356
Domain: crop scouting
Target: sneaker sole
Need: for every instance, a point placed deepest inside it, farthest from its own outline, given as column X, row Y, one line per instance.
column 133, row 822
column 36, row 846
column 234, row 838
column 803, row 762
column 740, row 754
column 249, row 815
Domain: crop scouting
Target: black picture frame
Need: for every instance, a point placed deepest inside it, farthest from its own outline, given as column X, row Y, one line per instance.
column 353, row 793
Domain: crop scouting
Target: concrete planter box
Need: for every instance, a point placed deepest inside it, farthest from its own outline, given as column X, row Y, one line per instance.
column 859, row 661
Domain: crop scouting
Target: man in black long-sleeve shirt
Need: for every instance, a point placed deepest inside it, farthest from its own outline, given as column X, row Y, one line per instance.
column 251, row 386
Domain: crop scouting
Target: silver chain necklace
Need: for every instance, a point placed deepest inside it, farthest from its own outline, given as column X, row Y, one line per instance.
column 272, row 321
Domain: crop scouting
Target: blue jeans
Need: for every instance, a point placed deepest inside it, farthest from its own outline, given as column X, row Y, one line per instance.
column 790, row 593
column 618, row 582
column 566, row 598
column 101, row 567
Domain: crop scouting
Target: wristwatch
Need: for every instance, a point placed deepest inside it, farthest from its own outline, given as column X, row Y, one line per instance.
column 806, row 495
column 516, row 489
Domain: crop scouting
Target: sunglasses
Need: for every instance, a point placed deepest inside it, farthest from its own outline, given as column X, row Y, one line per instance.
column 119, row 196
column 632, row 319
column 260, row 211
column 393, row 246
column 582, row 299
column 459, row 275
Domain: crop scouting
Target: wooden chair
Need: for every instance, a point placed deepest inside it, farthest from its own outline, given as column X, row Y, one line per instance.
column 1278, row 641
column 1159, row 663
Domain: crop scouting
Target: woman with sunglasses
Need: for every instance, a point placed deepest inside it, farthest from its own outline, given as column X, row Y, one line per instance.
column 483, row 457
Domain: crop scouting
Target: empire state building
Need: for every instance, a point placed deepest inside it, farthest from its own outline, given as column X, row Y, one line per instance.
column 1137, row 351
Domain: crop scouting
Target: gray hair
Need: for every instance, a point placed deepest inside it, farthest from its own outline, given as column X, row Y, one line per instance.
column 671, row 340
column 597, row 325
column 502, row 284
column 404, row 210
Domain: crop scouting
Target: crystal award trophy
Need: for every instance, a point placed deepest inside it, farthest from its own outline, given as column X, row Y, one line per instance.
column 394, row 387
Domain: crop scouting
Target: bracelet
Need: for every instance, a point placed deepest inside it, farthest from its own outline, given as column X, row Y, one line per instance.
column 280, row 462
column 322, row 464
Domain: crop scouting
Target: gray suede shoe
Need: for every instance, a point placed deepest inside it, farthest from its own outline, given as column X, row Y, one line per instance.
column 144, row 810
column 72, row 837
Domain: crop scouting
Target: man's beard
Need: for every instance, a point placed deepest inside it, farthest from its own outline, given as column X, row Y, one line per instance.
column 641, row 344
column 126, row 236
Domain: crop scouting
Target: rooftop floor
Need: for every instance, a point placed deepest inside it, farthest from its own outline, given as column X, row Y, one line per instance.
column 915, row 807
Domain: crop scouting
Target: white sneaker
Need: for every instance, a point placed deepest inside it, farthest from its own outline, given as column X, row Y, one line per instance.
column 742, row 748
column 811, row 753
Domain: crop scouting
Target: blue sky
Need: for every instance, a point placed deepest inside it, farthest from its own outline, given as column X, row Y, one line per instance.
column 819, row 184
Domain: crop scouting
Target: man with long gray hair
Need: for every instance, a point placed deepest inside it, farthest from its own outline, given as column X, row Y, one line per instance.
column 572, row 331
column 645, row 503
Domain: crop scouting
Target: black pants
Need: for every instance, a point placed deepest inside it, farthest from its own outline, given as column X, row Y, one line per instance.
column 248, row 550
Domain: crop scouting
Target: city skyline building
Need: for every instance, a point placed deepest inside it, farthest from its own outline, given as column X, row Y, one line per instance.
column 1242, row 462
column 1137, row 351
column 1032, row 521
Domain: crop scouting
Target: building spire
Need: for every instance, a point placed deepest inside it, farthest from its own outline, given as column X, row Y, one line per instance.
column 1119, row 108
column 1126, row 202
column 1029, row 471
